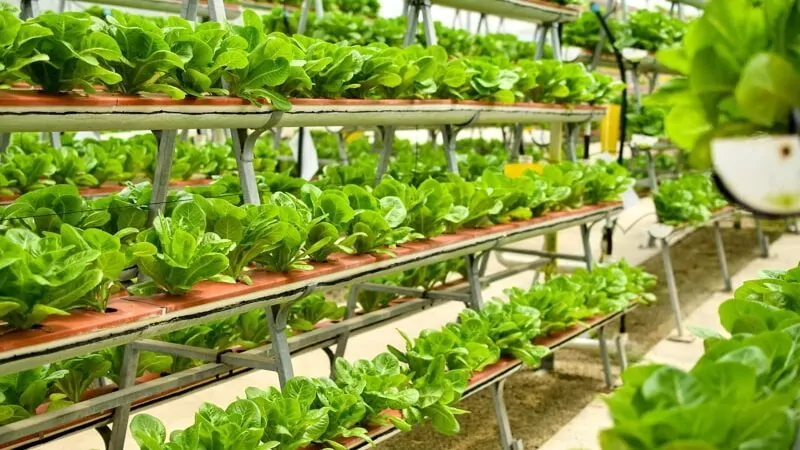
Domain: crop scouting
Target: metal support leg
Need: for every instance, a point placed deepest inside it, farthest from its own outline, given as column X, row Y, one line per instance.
column 55, row 139
column 586, row 234
column 340, row 142
column 601, row 339
column 651, row 171
column 166, row 150
column 723, row 261
column 449, row 133
column 507, row 441
column 555, row 43
column 474, row 279
column 216, row 11
column 573, row 131
column 763, row 241
column 515, row 146
column 620, row 341
column 412, row 18
column 189, row 10
column 304, row 12
column 121, row 413
column 28, row 9
column 666, row 258
column 277, row 320
column 386, row 153
column 350, row 311
column 5, row 141
column 427, row 19
column 541, row 41
column 243, row 144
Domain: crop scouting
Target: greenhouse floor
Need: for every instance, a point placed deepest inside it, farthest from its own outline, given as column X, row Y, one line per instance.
column 547, row 410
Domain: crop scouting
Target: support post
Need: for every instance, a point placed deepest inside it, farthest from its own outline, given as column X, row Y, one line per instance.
column 601, row 339
column 5, row 141
column 573, row 130
column 651, row 171
column 243, row 151
column 387, row 133
column 344, row 338
column 551, row 239
column 620, row 341
column 541, row 40
column 474, row 280
column 666, row 258
column 588, row 258
column 555, row 43
column 507, row 440
column 449, row 133
column 277, row 320
column 340, row 142
column 28, row 9
column 122, row 413
column 723, row 261
column 166, row 150
column 763, row 241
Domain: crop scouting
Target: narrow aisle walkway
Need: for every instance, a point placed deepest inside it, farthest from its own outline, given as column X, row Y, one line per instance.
column 581, row 432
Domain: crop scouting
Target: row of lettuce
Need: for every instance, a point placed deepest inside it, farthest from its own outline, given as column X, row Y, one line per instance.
column 742, row 393
column 29, row 164
column 63, row 252
column 133, row 55
column 692, row 198
column 645, row 29
column 423, row 381
column 404, row 387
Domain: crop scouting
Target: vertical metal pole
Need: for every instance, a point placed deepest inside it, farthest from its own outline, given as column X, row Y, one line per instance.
column 189, row 10
column 216, row 11
column 601, row 339
column 651, row 171
column 620, row 341
column 166, row 149
column 507, row 440
column 483, row 263
column 28, row 9
column 127, row 379
column 541, row 41
column 304, row 12
column 474, row 280
column 449, row 133
column 516, row 143
column 427, row 18
column 55, row 139
column 763, row 241
column 666, row 258
column 572, row 141
column 386, row 153
column 62, row 6
column 412, row 18
column 555, row 43
column 637, row 88
column 277, row 318
column 350, row 311
column 723, row 261
column 586, row 233
column 320, row 9
column 243, row 151
column 5, row 140
column 340, row 142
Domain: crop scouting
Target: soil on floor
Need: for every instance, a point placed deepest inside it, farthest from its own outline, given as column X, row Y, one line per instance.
column 539, row 404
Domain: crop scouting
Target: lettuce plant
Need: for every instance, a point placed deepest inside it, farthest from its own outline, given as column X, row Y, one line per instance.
column 181, row 253
column 306, row 313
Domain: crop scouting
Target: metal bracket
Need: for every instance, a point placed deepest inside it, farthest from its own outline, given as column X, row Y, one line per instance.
column 449, row 134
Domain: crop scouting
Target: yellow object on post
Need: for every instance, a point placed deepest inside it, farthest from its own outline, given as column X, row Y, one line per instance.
column 609, row 129
column 517, row 170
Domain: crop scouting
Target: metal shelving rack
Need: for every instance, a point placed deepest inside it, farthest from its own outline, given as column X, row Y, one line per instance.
column 246, row 122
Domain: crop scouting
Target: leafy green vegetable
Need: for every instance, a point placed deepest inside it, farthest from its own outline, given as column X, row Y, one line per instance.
column 692, row 199
column 309, row 311
column 181, row 253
